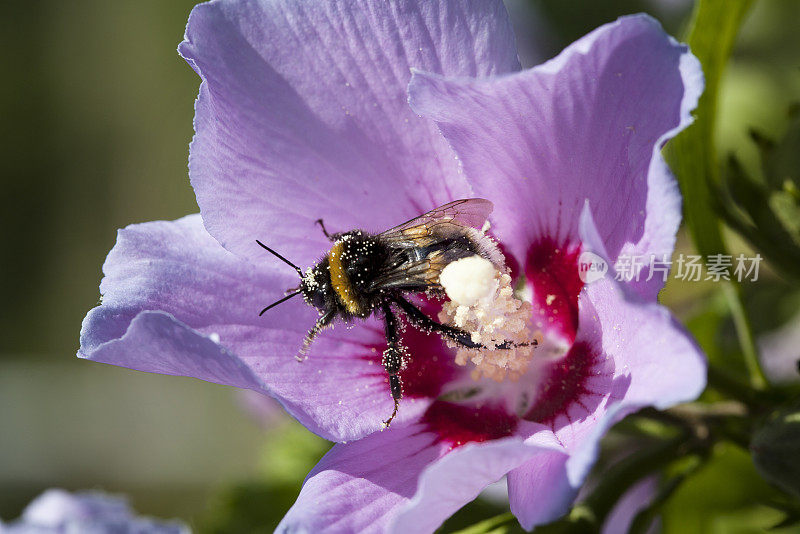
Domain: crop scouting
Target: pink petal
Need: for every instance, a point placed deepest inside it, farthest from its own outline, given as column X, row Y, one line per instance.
column 588, row 124
column 402, row 480
column 176, row 302
column 303, row 114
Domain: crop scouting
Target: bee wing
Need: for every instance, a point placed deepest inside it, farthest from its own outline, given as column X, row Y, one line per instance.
column 420, row 258
column 451, row 219
column 416, row 275
column 421, row 274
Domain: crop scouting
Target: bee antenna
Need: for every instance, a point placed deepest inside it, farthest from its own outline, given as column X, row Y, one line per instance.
column 287, row 297
column 287, row 262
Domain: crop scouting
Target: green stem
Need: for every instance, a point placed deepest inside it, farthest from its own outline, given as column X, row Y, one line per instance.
column 692, row 154
column 722, row 382
column 488, row 525
column 728, row 421
column 734, row 434
column 758, row 379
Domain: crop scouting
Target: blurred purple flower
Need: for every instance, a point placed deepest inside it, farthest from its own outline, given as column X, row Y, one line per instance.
column 304, row 113
column 636, row 499
column 59, row 512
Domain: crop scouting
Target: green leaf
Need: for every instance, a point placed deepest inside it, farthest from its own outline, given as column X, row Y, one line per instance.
column 787, row 212
column 725, row 496
column 768, row 218
column 781, row 161
column 775, row 449
column 692, row 154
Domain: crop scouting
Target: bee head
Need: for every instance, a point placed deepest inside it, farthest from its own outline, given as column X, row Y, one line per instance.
column 316, row 286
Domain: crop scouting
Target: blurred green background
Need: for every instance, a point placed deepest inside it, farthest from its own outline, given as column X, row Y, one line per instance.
column 97, row 115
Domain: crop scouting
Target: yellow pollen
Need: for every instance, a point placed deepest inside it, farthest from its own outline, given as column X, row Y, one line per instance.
column 340, row 280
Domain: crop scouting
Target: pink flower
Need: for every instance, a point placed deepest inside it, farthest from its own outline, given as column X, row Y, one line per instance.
column 304, row 114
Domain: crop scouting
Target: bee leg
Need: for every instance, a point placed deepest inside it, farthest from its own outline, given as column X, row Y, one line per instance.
column 320, row 325
column 396, row 386
column 324, row 231
column 424, row 322
column 420, row 320
column 392, row 358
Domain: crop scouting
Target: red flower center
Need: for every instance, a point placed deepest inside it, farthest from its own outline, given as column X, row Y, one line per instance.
column 552, row 271
column 567, row 384
column 568, row 387
column 458, row 424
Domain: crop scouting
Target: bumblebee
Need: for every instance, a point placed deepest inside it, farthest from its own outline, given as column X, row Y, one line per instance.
column 365, row 274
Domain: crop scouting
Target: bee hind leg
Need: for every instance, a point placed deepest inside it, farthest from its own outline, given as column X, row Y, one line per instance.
column 396, row 386
column 420, row 320
column 392, row 359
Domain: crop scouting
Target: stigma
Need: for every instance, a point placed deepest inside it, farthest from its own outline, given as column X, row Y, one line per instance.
column 482, row 302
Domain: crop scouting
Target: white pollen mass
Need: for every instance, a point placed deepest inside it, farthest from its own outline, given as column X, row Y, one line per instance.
column 469, row 280
column 482, row 303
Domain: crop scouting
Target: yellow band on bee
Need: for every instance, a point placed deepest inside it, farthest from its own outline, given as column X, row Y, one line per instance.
column 340, row 280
